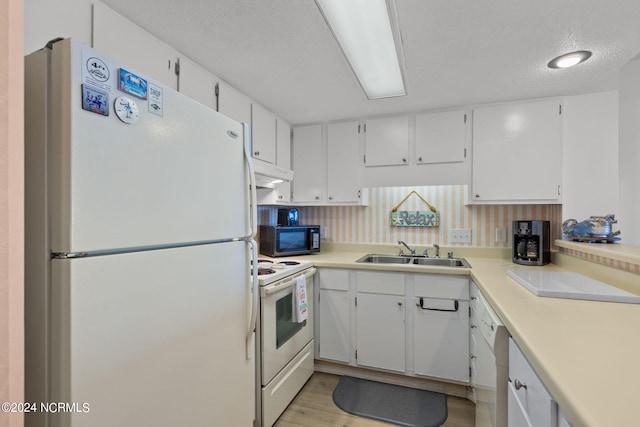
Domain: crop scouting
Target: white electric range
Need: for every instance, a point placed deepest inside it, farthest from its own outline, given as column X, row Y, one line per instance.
column 284, row 346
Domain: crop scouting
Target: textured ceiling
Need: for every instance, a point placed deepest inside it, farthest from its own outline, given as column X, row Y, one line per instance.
column 457, row 52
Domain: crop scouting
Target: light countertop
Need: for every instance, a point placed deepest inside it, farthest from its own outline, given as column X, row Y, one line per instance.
column 587, row 353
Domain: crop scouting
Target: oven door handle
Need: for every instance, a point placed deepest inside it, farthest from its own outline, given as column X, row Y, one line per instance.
column 272, row 289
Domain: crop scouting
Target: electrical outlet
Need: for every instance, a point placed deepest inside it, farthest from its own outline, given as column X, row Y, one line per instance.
column 324, row 231
column 501, row 234
column 460, row 235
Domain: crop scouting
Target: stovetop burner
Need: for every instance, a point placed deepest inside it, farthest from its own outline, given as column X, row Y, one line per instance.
column 289, row 262
column 270, row 271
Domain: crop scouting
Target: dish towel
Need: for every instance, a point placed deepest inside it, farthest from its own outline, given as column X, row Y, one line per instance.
column 300, row 310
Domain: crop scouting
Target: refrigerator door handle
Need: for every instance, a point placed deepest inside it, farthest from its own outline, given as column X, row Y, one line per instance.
column 254, row 300
column 253, row 224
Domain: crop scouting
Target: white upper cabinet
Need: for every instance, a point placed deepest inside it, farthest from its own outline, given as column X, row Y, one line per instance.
column 263, row 135
column 125, row 42
column 197, row 83
column 233, row 104
column 517, row 153
column 342, row 162
column 307, row 164
column 283, row 158
column 387, row 141
column 440, row 137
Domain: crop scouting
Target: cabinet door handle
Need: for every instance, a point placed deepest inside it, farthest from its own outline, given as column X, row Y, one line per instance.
column 518, row 385
column 404, row 159
column 256, row 153
column 420, row 303
column 420, row 158
column 399, row 304
column 477, row 196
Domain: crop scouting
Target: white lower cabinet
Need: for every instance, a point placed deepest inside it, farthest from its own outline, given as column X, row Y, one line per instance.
column 415, row 324
column 380, row 320
column 441, row 327
column 334, row 307
column 529, row 402
column 380, row 331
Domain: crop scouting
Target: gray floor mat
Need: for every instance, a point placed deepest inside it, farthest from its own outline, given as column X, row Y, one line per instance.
column 391, row 403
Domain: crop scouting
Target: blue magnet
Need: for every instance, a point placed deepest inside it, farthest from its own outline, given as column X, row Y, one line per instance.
column 132, row 84
column 95, row 100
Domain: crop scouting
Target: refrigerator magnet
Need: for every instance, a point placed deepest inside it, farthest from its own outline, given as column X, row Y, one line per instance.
column 155, row 99
column 132, row 84
column 95, row 100
column 127, row 109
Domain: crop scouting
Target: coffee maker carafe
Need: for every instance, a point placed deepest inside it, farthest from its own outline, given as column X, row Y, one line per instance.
column 531, row 242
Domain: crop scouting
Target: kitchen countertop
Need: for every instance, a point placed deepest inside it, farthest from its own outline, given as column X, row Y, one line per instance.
column 585, row 352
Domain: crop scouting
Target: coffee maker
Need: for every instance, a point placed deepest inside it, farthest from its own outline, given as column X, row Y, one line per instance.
column 531, row 242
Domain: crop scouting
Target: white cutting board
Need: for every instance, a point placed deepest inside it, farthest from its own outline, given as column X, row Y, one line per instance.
column 558, row 284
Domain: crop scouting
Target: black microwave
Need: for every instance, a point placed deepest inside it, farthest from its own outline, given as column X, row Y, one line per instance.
column 278, row 241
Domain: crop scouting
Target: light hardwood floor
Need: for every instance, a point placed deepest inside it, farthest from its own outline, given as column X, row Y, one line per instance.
column 314, row 407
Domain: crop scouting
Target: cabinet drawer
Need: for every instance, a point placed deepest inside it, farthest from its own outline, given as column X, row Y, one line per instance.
column 441, row 286
column 334, row 278
column 381, row 283
column 533, row 397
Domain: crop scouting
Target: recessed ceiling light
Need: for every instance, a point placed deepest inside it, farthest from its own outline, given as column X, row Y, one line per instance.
column 569, row 59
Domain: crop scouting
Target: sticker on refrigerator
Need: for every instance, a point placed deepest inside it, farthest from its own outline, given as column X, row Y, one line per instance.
column 132, row 84
column 95, row 100
column 155, row 99
column 97, row 71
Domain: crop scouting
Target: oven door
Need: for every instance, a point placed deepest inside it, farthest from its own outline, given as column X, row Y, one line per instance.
column 282, row 339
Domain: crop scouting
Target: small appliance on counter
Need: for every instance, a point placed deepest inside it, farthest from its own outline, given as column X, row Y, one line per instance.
column 278, row 241
column 288, row 217
column 531, row 242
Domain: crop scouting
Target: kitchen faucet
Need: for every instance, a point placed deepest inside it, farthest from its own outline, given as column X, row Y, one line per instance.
column 413, row 251
column 437, row 247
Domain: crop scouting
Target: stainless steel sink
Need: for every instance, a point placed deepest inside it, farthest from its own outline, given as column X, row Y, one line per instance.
column 442, row 262
column 416, row 260
column 386, row 259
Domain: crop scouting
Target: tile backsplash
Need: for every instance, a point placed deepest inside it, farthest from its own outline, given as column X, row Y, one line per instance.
column 370, row 224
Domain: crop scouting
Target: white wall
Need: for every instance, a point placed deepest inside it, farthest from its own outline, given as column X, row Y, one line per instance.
column 590, row 155
column 11, row 210
column 629, row 152
column 46, row 19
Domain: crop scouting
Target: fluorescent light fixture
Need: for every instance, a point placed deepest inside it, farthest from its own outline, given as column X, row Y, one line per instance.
column 364, row 32
column 569, row 59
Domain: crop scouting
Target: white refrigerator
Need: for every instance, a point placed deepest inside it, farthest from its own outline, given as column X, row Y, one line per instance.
column 140, row 301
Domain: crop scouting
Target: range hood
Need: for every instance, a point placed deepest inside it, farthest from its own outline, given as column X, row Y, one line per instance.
column 268, row 174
